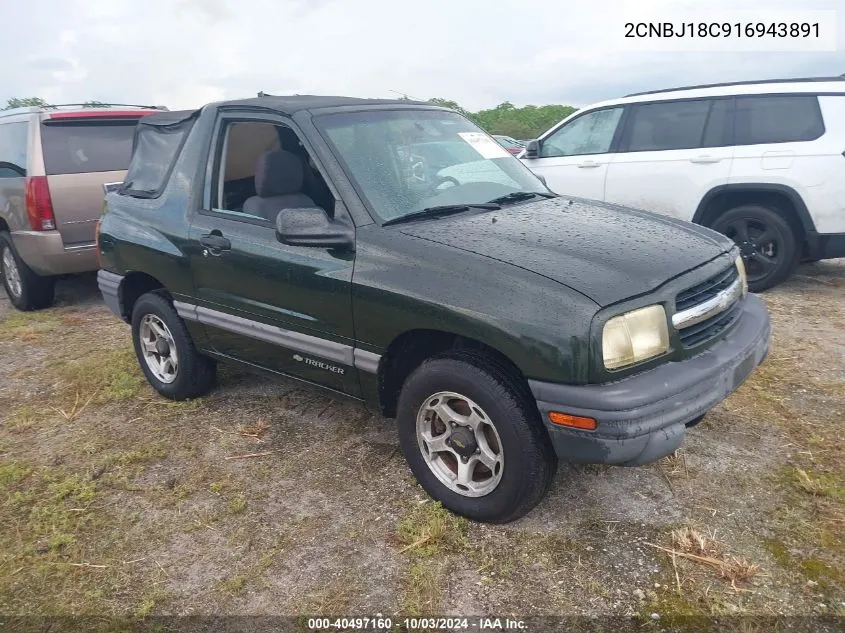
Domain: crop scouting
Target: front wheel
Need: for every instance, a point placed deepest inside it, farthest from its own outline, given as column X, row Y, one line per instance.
column 166, row 352
column 473, row 438
column 766, row 242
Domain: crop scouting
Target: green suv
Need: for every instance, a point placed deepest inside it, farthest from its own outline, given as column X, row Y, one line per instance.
column 503, row 326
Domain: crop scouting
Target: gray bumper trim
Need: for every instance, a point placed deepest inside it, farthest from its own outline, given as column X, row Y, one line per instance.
column 642, row 418
column 304, row 343
column 109, row 284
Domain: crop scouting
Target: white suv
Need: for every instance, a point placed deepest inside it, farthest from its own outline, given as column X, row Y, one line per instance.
column 761, row 162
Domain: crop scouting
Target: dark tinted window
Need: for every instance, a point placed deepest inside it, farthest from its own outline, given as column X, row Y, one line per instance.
column 671, row 125
column 717, row 132
column 87, row 146
column 777, row 119
column 13, row 138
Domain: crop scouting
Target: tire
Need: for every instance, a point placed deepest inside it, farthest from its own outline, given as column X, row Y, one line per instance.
column 695, row 421
column 190, row 374
column 528, row 462
column 767, row 242
column 26, row 290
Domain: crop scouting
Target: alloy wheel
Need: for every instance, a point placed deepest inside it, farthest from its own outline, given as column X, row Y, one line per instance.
column 11, row 273
column 460, row 444
column 761, row 246
column 158, row 348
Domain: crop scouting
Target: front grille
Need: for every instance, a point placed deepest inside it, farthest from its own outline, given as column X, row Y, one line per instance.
column 711, row 328
column 706, row 289
column 718, row 323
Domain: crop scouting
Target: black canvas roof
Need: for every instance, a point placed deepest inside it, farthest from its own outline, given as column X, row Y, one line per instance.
column 294, row 103
column 165, row 119
column 286, row 105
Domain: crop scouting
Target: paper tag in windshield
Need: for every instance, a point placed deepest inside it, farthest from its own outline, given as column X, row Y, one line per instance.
column 484, row 145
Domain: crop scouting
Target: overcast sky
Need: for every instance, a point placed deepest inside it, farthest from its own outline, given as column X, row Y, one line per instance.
column 183, row 53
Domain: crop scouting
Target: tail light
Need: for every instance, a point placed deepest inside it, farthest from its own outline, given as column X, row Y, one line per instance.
column 39, row 206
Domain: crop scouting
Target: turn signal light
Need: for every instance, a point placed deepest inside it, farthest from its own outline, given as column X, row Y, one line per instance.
column 572, row 421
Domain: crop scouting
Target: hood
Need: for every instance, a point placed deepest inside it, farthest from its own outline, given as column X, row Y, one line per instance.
column 606, row 252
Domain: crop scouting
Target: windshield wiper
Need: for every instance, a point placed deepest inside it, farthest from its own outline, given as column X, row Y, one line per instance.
column 518, row 196
column 445, row 209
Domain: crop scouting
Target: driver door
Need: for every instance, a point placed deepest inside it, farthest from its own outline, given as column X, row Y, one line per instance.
column 279, row 307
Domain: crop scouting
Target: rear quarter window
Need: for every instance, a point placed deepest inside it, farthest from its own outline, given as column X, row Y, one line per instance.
column 86, row 146
column 777, row 119
column 13, row 144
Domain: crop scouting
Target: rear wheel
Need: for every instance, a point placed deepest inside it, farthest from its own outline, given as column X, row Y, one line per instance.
column 27, row 290
column 473, row 438
column 766, row 242
column 166, row 352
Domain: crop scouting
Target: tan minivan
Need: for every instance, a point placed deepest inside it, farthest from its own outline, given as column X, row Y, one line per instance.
column 54, row 161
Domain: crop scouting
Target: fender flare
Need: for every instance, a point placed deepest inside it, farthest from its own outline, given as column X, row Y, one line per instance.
column 801, row 210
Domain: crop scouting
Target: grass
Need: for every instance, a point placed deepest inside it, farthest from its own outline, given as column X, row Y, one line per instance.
column 124, row 504
column 427, row 533
column 689, row 544
column 237, row 504
column 29, row 327
column 817, row 484
column 422, row 592
column 429, row 529
column 111, row 375
column 792, row 391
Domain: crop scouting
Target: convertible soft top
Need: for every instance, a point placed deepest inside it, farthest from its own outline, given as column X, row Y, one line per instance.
column 165, row 119
column 294, row 103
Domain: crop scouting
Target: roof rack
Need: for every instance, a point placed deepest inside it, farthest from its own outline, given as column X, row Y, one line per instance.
column 102, row 105
column 741, row 83
column 39, row 109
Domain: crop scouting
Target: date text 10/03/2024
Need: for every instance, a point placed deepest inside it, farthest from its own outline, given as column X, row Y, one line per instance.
column 386, row 623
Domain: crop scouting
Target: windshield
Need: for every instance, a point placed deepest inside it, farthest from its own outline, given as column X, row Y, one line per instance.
column 405, row 161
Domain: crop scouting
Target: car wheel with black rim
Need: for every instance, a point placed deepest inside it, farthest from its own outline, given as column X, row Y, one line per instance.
column 766, row 242
column 473, row 438
column 166, row 352
column 26, row 289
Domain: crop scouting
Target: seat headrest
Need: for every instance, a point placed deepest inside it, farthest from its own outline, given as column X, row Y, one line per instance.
column 278, row 173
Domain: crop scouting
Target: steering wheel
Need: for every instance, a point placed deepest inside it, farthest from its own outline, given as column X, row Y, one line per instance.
column 438, row 184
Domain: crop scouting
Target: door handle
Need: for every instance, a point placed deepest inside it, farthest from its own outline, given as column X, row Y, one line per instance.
column 215, row 243
column 705, row 160
column 588, row 164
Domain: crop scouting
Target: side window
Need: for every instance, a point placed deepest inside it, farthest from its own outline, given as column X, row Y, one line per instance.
column 13, row 144
column 155, row 149
column 667, row 126
column 591, row 133
column 777, row 119
column 718, row 131
column 262, row 168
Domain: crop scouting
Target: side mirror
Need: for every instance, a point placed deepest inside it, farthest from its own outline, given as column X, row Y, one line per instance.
column 542, row 179
column 311, row 226
column 532, row 150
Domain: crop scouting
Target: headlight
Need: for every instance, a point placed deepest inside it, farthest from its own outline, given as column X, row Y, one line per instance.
column 635, row 336
column 740, row 267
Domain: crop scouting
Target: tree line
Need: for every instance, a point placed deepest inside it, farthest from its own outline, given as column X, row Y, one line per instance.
column 525, row 123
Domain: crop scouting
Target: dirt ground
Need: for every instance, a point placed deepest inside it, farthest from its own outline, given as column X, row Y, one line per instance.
column 118, row 502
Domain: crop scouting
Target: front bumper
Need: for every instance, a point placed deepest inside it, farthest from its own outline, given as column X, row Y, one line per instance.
column 643, row 418
column 45, row 253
